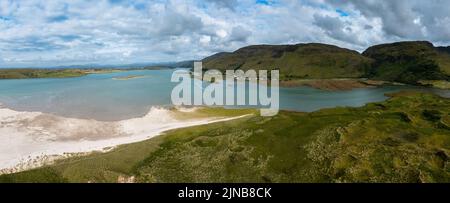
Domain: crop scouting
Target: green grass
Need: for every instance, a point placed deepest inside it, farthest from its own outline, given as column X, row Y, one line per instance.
column 442, row 84
column 404, row 139
column 443, row 59
column 408, row 62
column 42, row 175
column 40, row 73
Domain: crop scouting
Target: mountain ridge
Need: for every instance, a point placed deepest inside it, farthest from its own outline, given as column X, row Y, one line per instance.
column 288, row 58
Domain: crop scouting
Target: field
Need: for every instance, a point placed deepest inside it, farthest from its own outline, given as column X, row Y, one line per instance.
column 442, row 84
column 40, row 73
column 27, row 73
column 405, row 139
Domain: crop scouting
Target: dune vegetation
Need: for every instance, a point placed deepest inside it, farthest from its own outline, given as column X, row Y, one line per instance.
column 404, row 139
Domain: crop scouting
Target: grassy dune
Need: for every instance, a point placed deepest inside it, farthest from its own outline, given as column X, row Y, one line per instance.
column 404, row 139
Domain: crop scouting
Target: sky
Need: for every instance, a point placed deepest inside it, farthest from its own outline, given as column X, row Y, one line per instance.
column 36, row 33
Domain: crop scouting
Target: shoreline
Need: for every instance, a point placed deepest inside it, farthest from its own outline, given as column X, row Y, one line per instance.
column 30, row 140
column 338, row 84
column 38, row 73
column 332, row 84
column 328, row 84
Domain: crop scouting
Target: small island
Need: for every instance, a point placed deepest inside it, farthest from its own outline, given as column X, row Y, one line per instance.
column 128, row 77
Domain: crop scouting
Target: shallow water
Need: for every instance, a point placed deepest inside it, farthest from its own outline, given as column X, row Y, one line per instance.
column 100, row 97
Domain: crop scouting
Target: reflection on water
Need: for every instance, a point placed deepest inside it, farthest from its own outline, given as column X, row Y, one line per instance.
column 100, row 97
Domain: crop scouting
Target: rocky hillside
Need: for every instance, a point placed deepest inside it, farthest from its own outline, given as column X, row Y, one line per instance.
column 408, row 62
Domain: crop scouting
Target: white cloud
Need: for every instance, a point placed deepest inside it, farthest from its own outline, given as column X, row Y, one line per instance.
column 58, row 32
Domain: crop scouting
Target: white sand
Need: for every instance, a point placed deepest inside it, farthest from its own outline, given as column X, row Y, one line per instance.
column 31, row 139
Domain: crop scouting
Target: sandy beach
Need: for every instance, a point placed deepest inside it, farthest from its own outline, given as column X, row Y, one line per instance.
column 32, row 139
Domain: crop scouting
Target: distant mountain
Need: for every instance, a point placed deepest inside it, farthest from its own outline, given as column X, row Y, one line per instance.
column 294, row 61
column 183, row 64
column 406, row 62
column 103, row 66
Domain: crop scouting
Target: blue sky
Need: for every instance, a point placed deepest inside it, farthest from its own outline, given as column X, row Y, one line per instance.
column 62, row 32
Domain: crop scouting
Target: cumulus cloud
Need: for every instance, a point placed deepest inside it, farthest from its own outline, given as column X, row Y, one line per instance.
column 239, row 34
column 405, row 19
column 335, row 28
column 229, row 4
column 175, row 23
column 62, row 32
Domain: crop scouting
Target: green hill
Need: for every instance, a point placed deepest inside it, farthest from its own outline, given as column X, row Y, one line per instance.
column 294, row 61
column 444, row 59
column 408, row 62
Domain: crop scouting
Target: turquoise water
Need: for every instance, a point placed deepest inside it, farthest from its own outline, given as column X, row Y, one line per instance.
column 99, row 96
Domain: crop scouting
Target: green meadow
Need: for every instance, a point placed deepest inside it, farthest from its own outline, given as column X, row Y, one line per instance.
column 40, row 73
